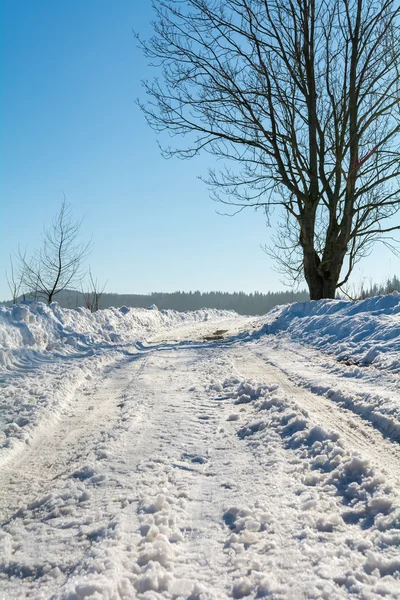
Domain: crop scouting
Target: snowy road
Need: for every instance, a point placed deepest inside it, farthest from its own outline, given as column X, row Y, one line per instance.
column 199, row 469
column 356, row 432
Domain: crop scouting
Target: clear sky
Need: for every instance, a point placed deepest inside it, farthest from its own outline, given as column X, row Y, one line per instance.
column 70, row 73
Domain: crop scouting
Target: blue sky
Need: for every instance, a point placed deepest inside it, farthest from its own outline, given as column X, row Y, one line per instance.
column 70, row 73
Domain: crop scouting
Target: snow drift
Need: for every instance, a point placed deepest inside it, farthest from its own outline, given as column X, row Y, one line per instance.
column 47, row 353
column 348, row 352
column 361, row 333
column 40, row 327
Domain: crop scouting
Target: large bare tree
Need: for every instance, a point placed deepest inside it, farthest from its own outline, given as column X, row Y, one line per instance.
column 58, row 263
column 300, row 100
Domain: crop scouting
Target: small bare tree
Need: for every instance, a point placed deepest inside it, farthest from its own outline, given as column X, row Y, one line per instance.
column 302, row 99
column 59, row 261
column 93, row 295
column 15, row 279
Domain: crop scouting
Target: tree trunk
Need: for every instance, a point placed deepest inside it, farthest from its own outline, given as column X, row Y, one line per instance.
column 322, row 274
column 320, row 286
column 322, row 278
column 313, row 278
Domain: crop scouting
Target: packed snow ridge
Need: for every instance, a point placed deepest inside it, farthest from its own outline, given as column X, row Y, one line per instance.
column 203, row 456
column 364, row 340
column 35, row 334
column 40, row 327
column 360, row 333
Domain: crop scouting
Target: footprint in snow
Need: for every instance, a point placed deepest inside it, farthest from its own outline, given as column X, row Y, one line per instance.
column 195, row 458
column 203, row 417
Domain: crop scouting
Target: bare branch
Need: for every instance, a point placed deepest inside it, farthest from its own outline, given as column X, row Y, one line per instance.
column 302, row 99
column 93, row 296
column 58, row 263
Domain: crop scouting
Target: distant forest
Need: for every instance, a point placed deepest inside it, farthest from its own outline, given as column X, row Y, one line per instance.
column 392, row 284
column 246, row 304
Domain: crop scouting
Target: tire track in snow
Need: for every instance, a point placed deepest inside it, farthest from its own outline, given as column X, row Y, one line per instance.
column 355, row 431
column 193, row 472
column 54, row 453
column 60, row 499
column 160, row 512
column 178, row 472
column 366, row 391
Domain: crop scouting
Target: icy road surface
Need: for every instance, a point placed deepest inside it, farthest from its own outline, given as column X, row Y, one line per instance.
column 185, row 468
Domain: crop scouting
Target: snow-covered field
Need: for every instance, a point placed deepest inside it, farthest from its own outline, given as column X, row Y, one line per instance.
column 142, row 456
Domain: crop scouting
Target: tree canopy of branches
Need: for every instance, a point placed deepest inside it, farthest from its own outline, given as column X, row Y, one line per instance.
column 301, row 101
column 58, row 263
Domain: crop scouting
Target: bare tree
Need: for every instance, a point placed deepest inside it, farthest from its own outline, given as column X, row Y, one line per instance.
column 93, row 296
column 15, row 279
column 300, row 99
column 59, row 261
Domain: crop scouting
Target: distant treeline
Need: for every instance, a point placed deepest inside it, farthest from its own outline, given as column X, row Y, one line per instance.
column 392, row 284
column 246, row 304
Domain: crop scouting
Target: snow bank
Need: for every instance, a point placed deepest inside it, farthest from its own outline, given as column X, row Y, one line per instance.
column 361, row 333
column 47, row 328
column 47, row 353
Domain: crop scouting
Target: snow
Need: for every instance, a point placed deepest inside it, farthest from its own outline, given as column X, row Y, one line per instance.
column 36, row 334
column 40, row 327
column 142, row 458
column 360, row 333
column 363, row 339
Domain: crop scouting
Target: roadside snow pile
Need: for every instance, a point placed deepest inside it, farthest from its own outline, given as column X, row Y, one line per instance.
column 344, row 514
column 40, row 327
column 361, row 333
column 47, row 353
